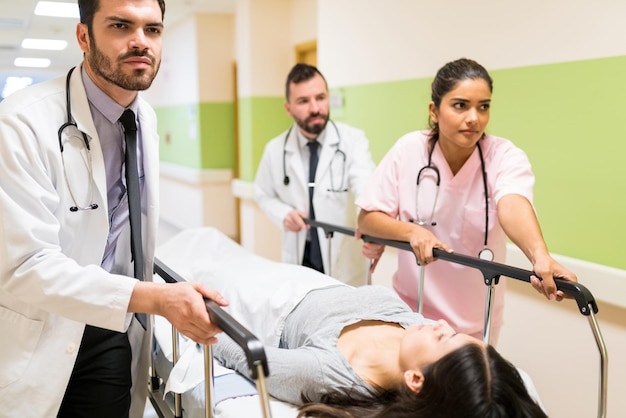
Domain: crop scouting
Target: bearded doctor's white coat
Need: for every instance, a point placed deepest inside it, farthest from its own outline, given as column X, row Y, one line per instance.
column 336, row 185
column 51, row 283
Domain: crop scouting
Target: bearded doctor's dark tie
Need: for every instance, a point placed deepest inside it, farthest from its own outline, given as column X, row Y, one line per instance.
column 314, row 258
column 134, row 197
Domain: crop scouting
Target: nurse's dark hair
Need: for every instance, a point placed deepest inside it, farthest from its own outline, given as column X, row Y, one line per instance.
column 88, row 8
column 299, row 73
column 473, row 381
column 446, row 80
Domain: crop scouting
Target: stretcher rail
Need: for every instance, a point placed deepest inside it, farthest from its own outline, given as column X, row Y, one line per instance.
column 258, row 368
column 489, row 269
column 491, row 272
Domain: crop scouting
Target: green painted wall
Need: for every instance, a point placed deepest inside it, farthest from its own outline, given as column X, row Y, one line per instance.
column 260, row 119
column 197, row 135
column 566, row 116
column 217, row 130
column 178, row 135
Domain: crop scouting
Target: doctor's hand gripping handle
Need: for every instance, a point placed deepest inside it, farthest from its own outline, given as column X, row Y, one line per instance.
column 251, row 345
column 490, row 269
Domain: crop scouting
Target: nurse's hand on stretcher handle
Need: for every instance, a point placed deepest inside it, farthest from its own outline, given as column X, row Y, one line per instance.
column 545, row 267
column 371, row 250
column 182, row 304
column 423, row 241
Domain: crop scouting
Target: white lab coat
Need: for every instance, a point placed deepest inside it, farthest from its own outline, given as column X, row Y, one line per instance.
column 333, row 198
column 51, row 282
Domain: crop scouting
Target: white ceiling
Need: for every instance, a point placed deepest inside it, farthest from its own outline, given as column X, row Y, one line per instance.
column 18, row 21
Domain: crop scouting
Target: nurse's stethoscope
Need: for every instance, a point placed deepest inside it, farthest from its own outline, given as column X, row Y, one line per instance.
column 338, row 154
column 71, row 122
column 485, row 253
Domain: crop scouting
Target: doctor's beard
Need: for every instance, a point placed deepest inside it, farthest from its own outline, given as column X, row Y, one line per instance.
column 103, row 67
column 314, row 129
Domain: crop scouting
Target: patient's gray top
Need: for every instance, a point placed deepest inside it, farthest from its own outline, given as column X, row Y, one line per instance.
column 308, row 361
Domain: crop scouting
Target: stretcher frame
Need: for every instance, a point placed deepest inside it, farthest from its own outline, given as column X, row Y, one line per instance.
column 491, row 273
column 258, row 368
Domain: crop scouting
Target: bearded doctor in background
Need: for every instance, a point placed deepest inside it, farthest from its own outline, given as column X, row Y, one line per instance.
column 283, row 182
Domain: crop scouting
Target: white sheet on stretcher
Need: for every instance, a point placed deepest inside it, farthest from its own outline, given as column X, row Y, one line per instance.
column 209, row 256
column 206, row 255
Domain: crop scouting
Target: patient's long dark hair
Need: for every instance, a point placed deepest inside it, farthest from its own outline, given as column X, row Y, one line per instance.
column 471, row 382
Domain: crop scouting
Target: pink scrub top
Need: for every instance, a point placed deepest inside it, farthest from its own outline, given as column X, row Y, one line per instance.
column 452, row 292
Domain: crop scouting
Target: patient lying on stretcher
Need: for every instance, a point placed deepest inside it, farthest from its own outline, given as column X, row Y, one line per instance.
column 340, row 351
column 363, row 351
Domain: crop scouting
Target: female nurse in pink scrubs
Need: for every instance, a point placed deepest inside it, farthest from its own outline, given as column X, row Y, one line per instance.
column 457, row 188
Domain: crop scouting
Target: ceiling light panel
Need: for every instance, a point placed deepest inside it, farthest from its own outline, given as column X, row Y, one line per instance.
column 57, row 9
column 45, row 44
column 32, row 62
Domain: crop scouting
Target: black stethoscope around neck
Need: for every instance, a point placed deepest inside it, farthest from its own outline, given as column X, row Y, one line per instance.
column 338, row 153
column 71, row 122
column 485, row 253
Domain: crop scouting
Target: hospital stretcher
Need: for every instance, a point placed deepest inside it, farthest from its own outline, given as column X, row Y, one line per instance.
column 492, row 272
column 204, row 400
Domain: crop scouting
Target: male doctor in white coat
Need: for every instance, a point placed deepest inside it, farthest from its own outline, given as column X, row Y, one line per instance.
column 67, row 295
column 345, row 164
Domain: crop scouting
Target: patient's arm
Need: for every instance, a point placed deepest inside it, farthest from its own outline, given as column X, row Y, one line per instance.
column 293, row 372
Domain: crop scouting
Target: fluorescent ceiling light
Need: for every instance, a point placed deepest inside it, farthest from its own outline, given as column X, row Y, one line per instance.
column 57, row 9
column 32, row 62
column 47, row 44
column 14, row 84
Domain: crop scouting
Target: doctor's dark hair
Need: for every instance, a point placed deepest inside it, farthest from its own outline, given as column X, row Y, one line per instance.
column 88, row 8
column 473, row 381
column 446, row 80
column 299, row 73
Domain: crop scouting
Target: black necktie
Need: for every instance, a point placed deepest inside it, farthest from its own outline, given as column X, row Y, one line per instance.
column 134, row 196
column 315, row 254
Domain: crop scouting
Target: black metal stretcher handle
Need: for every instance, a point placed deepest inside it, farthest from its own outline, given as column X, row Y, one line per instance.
column 252, row 347
column 489, row 269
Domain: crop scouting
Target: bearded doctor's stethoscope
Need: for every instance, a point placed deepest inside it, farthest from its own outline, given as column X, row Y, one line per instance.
column 84, row 156
column 338, row 156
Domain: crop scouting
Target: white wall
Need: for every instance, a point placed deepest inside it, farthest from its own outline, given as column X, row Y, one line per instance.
column 215, row 37
column 202, row 48
column 303, row 22
column 180, row 56
column 365, row 41
column 263, row 46
column 188, row 196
